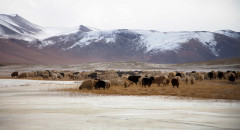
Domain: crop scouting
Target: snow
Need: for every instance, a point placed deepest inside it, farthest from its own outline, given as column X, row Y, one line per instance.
column 229, row 33
column 30, row 104
column 13, row 15
column 152, row 40
column 8, row 25
column 47, row 43
column 46, row 32
column 207, row 39
column 7, row 22
column 95, row 36
column 163, row 41
column 7, row 19
column 20, row 35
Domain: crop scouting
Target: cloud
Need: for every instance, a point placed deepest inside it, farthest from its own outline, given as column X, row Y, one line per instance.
column 162, row 15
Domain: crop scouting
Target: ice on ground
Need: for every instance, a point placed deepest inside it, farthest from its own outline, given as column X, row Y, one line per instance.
column 25, row 104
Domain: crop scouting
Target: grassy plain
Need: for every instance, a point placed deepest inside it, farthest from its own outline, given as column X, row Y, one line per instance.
column 207, row 89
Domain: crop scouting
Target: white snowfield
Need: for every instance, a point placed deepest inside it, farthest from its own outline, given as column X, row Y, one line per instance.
column 152, row 40
column 29, row 104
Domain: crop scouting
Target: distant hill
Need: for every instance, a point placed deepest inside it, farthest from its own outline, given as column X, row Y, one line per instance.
column 24, row 42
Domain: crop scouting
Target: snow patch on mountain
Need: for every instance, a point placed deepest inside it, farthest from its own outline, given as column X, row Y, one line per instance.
column 13, row 15
column 229, row 33
column 10, row 26
column 25, row 28
column 46, row 43
column 94, row 36
column 19, row 34
column 162, row 41
column 207, row 39
column 8, row 20
column 153, row 41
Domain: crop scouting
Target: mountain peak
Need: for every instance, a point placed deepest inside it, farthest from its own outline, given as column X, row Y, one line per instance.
column 13, row 15
column 10, row 15
column 14, row 26
column 84, row 29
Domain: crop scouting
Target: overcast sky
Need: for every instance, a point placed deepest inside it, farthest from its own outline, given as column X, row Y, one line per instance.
column 161, row 15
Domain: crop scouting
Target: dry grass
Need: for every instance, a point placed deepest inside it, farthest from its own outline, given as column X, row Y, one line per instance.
column 214, row 89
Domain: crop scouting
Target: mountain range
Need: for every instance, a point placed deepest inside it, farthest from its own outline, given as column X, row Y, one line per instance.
column 24, row 42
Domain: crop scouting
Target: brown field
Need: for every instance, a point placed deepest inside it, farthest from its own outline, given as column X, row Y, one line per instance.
column 208, row 89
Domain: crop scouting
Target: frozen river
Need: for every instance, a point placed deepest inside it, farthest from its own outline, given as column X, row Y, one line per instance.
column 28, row 104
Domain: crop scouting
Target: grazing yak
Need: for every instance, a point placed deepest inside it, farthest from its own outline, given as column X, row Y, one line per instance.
column 31, row 74
column 74, row 77
column 76, row 73
column 187, row 79
column 171, row 75
column 167, row 81
column 14, row 74
column 63, row 74
column 127, row 83
column 39, row 73
column 92, row 75
column 147, row 81
column 71, row 76
column 59, row 76
column 23, row 75
column 179, row 74
column 220, row 75
column 87, row 84
column 192, row 80
column 100, row 84
column 201, row 77
column 178, row 78
column 231, row 78
column 54, row 76
column 175, row 82
column 108, row 84
column 134, row 79
column 45, row 76
column 161, row 80
column 210, row 75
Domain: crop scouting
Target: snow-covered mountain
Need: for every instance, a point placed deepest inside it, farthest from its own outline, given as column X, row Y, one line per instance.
column 86, row 44
column 230, row 33
column 14, row 26
column 152, row 41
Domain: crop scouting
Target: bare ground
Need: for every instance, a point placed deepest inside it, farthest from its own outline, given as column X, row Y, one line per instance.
column 214, row 89
column 223, row 65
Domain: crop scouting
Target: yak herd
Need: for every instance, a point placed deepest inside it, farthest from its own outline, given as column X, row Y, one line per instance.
column 104, row 79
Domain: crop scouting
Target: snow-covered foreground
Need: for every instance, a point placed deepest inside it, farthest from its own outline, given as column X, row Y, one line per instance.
column 28, row 104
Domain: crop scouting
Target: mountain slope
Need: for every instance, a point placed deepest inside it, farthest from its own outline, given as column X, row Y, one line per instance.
column 84, row 44
column 146, row 46
column 19, row 51
column 14, row 26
